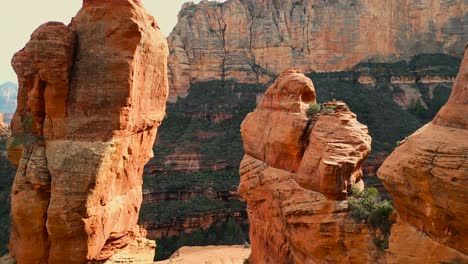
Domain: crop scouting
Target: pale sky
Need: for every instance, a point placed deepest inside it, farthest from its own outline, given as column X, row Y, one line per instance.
column 20, row 18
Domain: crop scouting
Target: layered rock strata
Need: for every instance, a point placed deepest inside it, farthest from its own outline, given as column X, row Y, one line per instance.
column 425, row 176
column 296, row 174
column 91, row 97
column 253, row 40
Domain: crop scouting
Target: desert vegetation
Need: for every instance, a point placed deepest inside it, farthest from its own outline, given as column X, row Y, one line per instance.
column 367, row 206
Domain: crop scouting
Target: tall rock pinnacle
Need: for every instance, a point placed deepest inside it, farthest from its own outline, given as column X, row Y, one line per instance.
column 296, row 174
column 91, row 97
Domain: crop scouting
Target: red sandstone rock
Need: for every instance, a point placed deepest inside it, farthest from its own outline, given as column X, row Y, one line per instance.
column 283, row 103
column 426, row 177
column 86, row 120
column 455, row 112
column 295, row 175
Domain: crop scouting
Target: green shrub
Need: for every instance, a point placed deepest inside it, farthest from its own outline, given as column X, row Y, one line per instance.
column 327, row 109
column 368, row 207
column 313, row 109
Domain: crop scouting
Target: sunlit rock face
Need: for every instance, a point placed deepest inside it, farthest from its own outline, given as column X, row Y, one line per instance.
column 91, row 97
column 254, row 40
column 296, row 174
column 426, row 177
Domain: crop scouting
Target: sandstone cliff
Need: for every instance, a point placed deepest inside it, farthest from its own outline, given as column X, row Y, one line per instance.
column 426, row 177
column 253, row 40
column 91, row 97
column 296, row 175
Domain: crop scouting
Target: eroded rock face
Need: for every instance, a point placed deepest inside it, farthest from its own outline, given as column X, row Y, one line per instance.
column 253, row 40
column 295, row 177
column 139, row 251
column 91, row 98
column 425, row 176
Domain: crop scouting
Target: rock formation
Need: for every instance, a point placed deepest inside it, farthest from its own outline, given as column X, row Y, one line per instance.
column 91, row 97
column 296, row 174
column 426, row 177
column 253, row 40
column 138, row 251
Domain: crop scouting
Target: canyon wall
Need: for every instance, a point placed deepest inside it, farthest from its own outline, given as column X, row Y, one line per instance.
column 91, row 97
column 426, row 177
column 296, row 175
column 254, row 40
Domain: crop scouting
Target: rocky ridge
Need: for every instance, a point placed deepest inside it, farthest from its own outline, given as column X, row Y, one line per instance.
column 425, row 176
column 296, row 175
column 254, row 40
column 84, row 128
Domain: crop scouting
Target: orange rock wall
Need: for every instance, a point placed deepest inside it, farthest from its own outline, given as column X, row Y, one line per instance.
column 295, row 177
column 254, row 40
column 425, row 176
column 91, row 98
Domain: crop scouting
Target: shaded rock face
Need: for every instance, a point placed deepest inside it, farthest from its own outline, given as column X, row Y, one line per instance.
column 91, row 97
column 425, row 176
column 295, row 177
column 253, row 40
